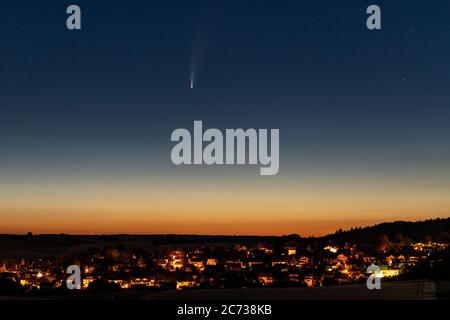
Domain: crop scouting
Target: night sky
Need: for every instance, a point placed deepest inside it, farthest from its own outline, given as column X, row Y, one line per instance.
column 86, row 115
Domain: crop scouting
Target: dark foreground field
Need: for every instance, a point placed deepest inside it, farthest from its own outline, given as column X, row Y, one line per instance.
column 397, row 290
column 402, row 290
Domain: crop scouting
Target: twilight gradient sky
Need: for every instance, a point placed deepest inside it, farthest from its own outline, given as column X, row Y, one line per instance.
column 86, row 116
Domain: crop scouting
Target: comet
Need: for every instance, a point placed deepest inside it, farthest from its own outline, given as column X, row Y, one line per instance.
column 195, row 58
column 192, row 73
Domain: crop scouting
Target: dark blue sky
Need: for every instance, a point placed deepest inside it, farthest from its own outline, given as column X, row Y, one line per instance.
column 350, row 103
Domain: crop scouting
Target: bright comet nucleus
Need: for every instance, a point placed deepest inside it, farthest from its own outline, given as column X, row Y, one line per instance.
column 192, row 77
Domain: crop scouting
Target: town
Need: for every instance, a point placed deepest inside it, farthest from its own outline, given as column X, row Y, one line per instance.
column 287, row 261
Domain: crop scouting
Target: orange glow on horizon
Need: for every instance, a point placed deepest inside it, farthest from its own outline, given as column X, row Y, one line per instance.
column 258, row 207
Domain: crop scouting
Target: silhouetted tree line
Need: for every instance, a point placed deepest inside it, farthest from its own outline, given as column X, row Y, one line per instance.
column 399, row 232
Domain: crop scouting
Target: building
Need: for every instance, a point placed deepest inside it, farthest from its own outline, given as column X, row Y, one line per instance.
column 211, row 262
column 234, row 265
column 311, row 281
column 389, row 273
column 291, row 251
column 266, row 279
column 332, row 249
column 176, row 260
column 390, row 260
column 185, row 284
column 198, row 264
column 147, row 282
column 161, row 262
column 279, row 262
column 255, row 264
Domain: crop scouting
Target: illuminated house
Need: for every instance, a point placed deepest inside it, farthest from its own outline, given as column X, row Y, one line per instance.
column 266, row 279
column 197, row 254
column 291, row 251
column 401, row 259
column 176, row 260
column 233, row 265
column 265, row 248
column 303, row 261
column 143, row 282
column 279, row 262
column 390, row 260
column 294, row 277
column 87, row 281
column 389, row 273
column 89, row 269
column 198, row 264
column 122, row 283
column 332, row 249
column 310, row 281
column 161, row 262
column 185, row 284
column 370, row 259
column 25, row 282
column 330, row 268
column 342, row 258
column 211, row 262
column 441, row 246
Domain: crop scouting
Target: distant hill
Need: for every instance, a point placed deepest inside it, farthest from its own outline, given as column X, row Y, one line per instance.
column 399, row 232
column 437, row 230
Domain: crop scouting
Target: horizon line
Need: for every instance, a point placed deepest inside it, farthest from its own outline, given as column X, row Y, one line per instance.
column 219, row 235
